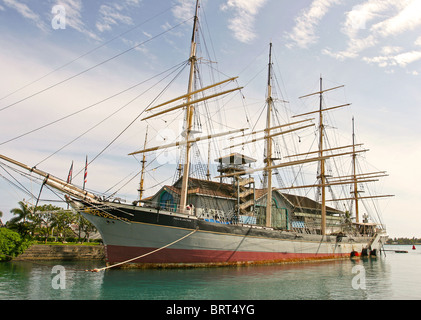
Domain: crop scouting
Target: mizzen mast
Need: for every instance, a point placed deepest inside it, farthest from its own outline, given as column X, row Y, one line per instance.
column 354, row 173
column 268, row 160
column 142, row 175
column 322, row 174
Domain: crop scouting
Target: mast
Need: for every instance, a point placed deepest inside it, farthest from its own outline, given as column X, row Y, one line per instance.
column 142, row 175
column 208, row 175
column 56, row 183
column 189, row 114
column 322, row 161
column 322, row 176
column 354, row 173
column 268, row 159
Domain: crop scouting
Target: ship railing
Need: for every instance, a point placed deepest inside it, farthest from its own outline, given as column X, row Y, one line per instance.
column 233, row 167
column 313, row 227
column 158, row 206
column 172, row 208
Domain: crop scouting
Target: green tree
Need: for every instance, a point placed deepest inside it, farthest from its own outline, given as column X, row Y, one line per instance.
column 48, row 220
column 43, row 219
column 62, row 219
column 1, row 215
column 21, row 222
column 23, row 213
column 11, row 244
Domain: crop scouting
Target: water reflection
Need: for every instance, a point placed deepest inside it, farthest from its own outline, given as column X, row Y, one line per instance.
column 33, row 281
column 395, row 276
column 321, row 280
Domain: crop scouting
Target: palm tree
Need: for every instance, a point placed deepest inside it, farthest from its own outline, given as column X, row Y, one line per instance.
column 22, row 213
column 20, row 223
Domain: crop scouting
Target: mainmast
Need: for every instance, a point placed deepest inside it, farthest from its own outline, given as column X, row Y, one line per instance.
column 268, row 159
column 322, row 161
column 189, row 114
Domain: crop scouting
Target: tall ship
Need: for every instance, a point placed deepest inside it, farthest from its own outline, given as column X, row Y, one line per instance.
column 239, row 216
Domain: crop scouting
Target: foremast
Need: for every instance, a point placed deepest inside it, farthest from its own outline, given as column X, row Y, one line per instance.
column 189, row 114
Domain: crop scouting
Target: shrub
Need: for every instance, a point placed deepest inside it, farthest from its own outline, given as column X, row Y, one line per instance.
column 11, row 244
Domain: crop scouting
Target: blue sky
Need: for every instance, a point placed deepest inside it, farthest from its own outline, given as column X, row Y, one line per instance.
column 372, row 47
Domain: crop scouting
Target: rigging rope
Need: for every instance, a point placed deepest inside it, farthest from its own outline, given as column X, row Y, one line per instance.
column 146, row 254
column 118, row 110
column 88, row 52
column 131, row 123
column 93, row 67
column 90, row 106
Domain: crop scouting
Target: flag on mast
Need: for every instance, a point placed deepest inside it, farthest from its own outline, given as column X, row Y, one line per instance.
column 85, row 178
column 69, row 176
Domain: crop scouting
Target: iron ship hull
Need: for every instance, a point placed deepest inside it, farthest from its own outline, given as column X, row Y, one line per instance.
column 131, row 231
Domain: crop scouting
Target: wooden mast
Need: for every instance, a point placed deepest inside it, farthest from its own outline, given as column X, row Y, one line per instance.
column 142, row 175
column 322, row 176
column 322, row 162
column 189, row 115
column 354, row 173
column 268, row 159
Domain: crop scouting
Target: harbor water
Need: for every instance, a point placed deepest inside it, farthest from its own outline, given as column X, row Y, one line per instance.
column 394, row 276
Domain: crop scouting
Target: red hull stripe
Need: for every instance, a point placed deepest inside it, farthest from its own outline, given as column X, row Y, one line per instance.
column 173, row 256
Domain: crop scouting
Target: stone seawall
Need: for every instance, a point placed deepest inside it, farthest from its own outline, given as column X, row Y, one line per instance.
column 63, row 252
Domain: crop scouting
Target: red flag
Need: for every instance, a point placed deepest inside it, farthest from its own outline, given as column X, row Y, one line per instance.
column 86, row 173
column 69, row 176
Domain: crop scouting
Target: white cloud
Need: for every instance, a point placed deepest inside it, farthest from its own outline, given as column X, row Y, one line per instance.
column 402, row 59
column 354, row 48
column 111, row 15
column 116, row 13
column 376, row 22
column 242, row 24
column 74, row 18
column 357, row 21
column 304, row 31
column 147, row 34
column 184, row 9
column 142, row 48
column 387, row 50
column 407, row 19
column 358, row 18
column 133, row 2
column 27, row 13
column 406, row 58
column 73, row 15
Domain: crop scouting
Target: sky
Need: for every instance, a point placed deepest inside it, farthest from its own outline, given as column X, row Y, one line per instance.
column 59, row 57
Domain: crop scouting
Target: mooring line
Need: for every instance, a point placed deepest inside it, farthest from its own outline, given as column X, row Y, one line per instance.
column 144, row 255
